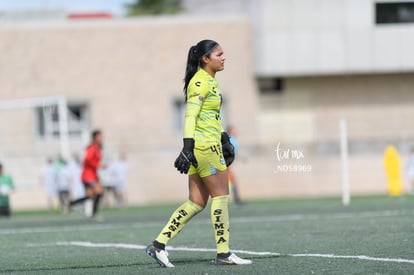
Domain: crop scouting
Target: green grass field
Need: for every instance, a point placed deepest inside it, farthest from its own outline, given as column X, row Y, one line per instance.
column 374, row 235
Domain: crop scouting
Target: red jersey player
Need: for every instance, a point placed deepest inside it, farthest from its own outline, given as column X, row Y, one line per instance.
column 90, row 179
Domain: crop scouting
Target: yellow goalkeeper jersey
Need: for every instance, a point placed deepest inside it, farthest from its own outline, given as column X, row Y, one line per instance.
column 202, row 115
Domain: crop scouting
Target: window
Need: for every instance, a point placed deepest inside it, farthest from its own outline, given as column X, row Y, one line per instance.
column 179, row 113
column 394, row 12
column 47, row 118
column 271, row 85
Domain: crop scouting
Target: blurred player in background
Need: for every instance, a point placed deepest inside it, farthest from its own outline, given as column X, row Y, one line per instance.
column 411, row 170
column 106, row 179
column 230, row 174
column 74, row 171
column 205, row 148
column 89, row 176
column 120, row 171
column 48, row 179
column 62, row 183
column 6, row 187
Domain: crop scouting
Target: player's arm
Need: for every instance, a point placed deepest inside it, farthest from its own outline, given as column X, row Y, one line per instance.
column 102, row 165
column 196, row 93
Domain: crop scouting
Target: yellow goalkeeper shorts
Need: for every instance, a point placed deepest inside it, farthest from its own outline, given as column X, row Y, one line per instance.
column 209, row 159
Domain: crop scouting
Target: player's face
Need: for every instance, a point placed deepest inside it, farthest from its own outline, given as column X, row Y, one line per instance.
column 98, row 139
column 216, row 60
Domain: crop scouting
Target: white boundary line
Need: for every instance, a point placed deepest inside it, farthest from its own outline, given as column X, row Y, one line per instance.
column 235, row 220
column 357, row 257
column 264, row 253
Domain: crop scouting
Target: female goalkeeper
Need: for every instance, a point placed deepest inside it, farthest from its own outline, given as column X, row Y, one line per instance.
column 205, row 156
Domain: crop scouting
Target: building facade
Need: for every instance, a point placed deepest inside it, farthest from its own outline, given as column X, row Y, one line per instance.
column 294, row 70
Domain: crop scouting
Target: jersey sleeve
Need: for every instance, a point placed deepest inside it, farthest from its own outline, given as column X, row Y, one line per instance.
column 196, row 93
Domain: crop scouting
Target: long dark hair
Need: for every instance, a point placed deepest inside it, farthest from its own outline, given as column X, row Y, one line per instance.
column 196, row 52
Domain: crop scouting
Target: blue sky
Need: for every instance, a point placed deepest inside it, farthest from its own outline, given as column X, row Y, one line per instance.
column 113, row 6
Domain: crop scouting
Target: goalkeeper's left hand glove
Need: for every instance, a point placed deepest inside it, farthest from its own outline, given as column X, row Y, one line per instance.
column 228, row 149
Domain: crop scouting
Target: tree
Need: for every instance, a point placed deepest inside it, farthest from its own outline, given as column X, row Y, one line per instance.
column 154, row 7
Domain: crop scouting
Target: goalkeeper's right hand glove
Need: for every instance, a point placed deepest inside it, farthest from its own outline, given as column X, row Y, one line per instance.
column 186, row 157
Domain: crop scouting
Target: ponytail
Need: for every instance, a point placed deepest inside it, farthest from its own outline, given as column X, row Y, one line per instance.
column 196, row 52
column 193, row 62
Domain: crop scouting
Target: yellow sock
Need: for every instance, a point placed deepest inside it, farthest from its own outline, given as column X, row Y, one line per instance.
column 178, row 220
column 220, row 221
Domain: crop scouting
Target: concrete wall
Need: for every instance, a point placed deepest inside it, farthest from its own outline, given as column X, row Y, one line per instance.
column 378, row 109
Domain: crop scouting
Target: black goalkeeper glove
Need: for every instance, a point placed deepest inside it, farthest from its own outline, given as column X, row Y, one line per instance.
column 186, row 157
column 228, row 149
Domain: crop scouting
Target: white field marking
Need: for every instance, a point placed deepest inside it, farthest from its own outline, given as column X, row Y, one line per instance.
column 358, row 257
column 264, row 253
column 169, row 248
column 102, row 245
column 276, row 218
column 73, row 228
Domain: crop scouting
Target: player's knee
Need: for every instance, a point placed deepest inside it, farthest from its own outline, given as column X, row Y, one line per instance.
column 89, row 193
column 199, row 202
